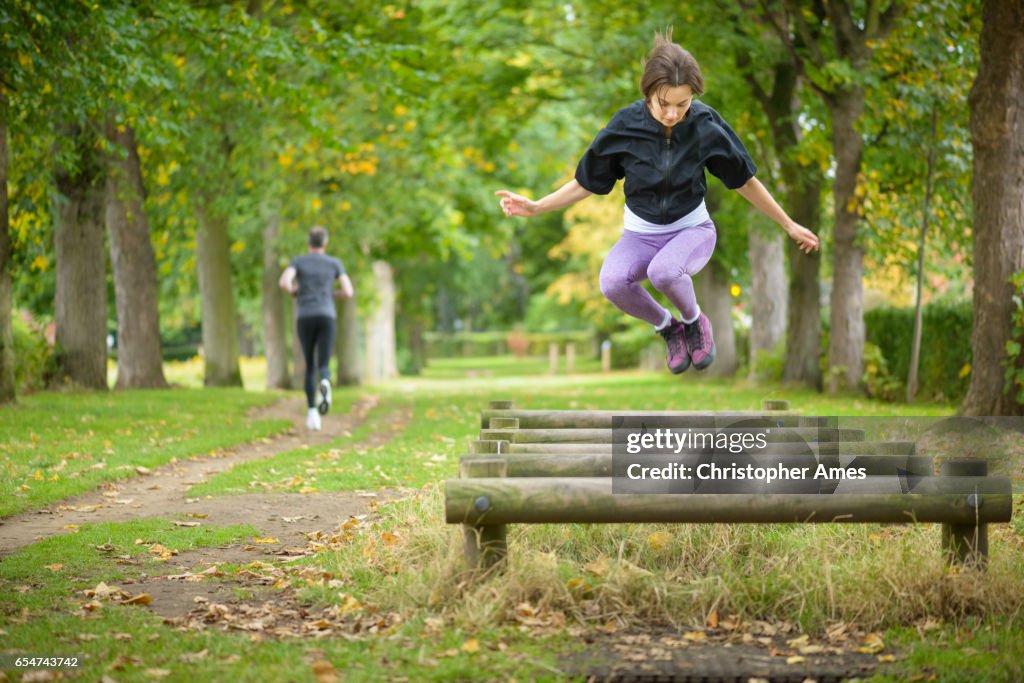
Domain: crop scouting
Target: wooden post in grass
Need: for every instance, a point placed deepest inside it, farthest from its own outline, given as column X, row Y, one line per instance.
column 775, row 404
column 570, row 357
column 504, row 423
column 967, row 544
column 485, row 546
column 486, row 447
column 606, row 356
column 553, row 357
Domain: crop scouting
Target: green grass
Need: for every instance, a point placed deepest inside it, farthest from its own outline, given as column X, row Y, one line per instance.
column 41, row 613
column 406, row 562
column 57, row 445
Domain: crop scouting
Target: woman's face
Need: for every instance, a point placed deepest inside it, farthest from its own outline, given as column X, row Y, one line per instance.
column 669, row 105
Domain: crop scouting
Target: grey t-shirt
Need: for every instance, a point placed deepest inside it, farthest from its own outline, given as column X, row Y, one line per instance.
column 316, row 275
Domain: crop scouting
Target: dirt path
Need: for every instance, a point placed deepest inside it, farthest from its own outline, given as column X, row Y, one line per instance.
column 162, row 491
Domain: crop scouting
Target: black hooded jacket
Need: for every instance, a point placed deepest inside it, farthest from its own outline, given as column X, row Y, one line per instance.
column 664, row 175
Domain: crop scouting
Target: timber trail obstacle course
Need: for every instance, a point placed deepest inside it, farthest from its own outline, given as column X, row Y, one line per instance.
column 567, row 466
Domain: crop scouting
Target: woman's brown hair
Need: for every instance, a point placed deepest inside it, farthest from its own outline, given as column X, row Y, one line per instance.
column 668, row 66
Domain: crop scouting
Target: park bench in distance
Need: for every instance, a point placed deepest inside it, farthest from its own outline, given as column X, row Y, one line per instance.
column 557, row 466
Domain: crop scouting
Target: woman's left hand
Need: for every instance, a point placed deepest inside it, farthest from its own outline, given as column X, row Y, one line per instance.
column 806, row 239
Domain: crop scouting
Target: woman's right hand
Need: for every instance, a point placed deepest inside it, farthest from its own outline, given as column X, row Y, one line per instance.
column 516, row 205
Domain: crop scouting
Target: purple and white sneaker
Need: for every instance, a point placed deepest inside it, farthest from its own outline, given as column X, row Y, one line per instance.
column 699, row 342
column 676, row 356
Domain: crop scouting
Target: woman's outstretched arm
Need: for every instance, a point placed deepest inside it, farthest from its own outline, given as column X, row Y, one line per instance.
column 517, row 205
column 755, row 193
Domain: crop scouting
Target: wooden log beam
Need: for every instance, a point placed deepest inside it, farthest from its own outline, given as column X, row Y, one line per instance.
column 602, row 464
column 541, row 419
column 950, row 500
column 588, row 435
column 835, row 447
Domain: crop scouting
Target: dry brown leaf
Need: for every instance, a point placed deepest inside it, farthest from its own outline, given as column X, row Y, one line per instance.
column 324, row 671
column 122, row 661
column 54, row 567
column 598, row 567
column 659, row 540
column 798, row 642
column 192, row 657
column 795, row 659
column 140, row 599
column 696, row 636
column 873, row 644
column 471, row 646
column 712, row 620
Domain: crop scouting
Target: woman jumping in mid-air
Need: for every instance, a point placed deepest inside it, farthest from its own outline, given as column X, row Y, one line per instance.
column 661, row 145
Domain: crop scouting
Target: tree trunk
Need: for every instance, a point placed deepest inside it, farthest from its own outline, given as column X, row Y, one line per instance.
column 347, row 347
column 716, row 303
column 768, row 293
column 846, row 333
column 381, row 357
column 275, row 345
column 7, row 384
column 220, row 328
column 298, row 359
column 417, row 344
column 803, row 192
column 81, row 298
column 915, row 347
column 139, row 360
column 803, row 329
column 997, row 134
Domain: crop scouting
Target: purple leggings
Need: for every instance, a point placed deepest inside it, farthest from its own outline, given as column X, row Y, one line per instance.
column 668, row 259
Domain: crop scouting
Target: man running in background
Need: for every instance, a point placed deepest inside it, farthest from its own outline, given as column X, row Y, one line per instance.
column 310, row 279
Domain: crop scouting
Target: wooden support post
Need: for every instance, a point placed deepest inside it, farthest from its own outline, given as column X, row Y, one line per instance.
column 570, row 357
column 553, row 358
column 485, row 546
column 606, row 355
column 486, row 447
column 773, row 404
column 500, row 405
column 503, row 423
column 966, row 544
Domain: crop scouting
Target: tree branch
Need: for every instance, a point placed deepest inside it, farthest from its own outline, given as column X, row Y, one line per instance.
column 845, row 34
column 818, row 59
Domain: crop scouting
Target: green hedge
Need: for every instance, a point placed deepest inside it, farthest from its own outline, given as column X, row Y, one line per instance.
column 944, row 368
column 469, row 344
column 35, row 361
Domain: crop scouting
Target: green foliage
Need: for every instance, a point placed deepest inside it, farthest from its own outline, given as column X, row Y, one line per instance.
column 878, row 379
column 469, row 344
column 945, row 362
column 629, row 345
column 1014, row 361
column 35, row 360
column 769, row 364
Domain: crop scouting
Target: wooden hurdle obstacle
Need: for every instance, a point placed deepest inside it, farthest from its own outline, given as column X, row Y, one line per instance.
column 537, row 466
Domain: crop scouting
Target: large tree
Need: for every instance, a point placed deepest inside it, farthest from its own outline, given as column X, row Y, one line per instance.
column 997, row 133
column 139, row 361
column 832, row 43
column 81, row 299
